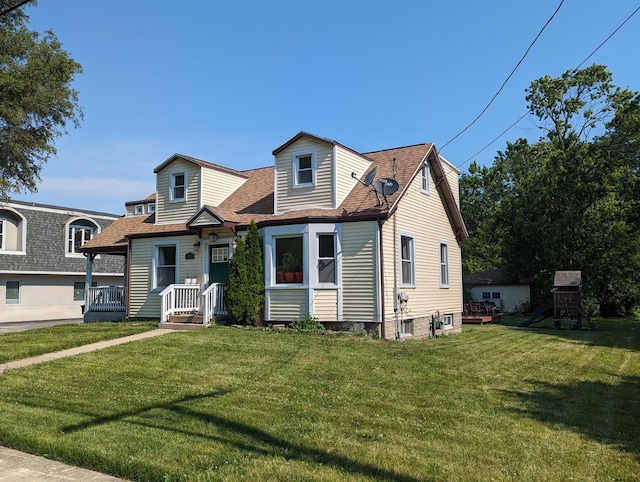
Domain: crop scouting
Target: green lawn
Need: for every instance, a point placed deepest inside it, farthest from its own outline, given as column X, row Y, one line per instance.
column 15, row 346
column 493, row 403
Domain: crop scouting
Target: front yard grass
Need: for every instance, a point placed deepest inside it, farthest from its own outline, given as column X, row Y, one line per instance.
column 493, row 403
column 25, row 344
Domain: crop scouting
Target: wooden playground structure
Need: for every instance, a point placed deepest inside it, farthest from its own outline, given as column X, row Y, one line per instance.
column 566, row 304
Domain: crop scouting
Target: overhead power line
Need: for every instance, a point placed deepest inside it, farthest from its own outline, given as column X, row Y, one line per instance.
column 506, row 80
column 575, row 69
column 11, row 9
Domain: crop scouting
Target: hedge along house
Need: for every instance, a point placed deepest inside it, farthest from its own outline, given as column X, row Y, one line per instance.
column 334, row 248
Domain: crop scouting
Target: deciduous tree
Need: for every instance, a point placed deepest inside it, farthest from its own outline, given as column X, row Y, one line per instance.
column 37, row 101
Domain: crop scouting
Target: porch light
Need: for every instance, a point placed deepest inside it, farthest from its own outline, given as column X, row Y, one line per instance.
column 196, row 246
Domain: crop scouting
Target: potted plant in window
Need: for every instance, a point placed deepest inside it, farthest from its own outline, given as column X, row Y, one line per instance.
column 289, row 265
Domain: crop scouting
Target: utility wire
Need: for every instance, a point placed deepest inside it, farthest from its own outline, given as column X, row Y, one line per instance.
column 11, row 9
column 575, row 69
column 506, row 80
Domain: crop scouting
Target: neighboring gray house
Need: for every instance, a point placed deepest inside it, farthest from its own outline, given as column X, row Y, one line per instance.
column 494, row 285
column 42, row 271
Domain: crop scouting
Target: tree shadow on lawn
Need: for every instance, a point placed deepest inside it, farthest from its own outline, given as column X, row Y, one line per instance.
column 242, row 436
column 612, row 333
column 606, row 413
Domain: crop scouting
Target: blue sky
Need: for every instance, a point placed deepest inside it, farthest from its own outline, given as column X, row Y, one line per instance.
column 229, row 81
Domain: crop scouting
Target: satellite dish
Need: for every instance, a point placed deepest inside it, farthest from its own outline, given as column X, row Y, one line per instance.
column 385, row 186
column 368, row 179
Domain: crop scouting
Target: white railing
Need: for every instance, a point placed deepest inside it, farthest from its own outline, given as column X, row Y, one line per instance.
column 213, row 302
column 105, row 298
column 178, row 299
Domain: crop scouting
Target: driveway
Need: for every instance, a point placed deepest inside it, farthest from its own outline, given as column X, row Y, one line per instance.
column 13, row 326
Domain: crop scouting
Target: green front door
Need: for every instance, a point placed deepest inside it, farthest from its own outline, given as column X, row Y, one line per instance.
column 219, row 264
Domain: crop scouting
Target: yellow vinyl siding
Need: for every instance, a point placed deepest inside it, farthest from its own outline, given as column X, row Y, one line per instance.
column 347, row 163
column 359, row 272
column 190, row 268
column 452, row 174
column 218, row 185
column 288, row 305
column 142, row 302
column 318, row 196
column 426, row 219
column 325, row 305
column 177, row 212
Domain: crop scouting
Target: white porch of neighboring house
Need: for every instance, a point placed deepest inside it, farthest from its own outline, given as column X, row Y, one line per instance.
column 103, row 303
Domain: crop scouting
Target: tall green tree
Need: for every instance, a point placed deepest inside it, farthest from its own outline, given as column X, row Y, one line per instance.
column 236, row 293
column 255, row 275
column 37, row 101
column 569, row 200
column 244, row 296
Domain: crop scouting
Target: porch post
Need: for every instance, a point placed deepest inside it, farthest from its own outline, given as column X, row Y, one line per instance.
column 89, row 270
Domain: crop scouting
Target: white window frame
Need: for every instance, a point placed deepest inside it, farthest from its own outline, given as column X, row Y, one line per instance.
column 411, row 259
column 447, row 321
column 12, row 301
column 138, row 210
column 334, row 236
column 443, row 264
column 296, row 156
column 156, row 263
column 151, row 208
column 70, row 252
column 424, row 178
column 172, row 186
column 22, row 228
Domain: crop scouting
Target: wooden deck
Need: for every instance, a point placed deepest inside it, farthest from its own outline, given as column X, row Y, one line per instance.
column 479, row 319
column 480, row 313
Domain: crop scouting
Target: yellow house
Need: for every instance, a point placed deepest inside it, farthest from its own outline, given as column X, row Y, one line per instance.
column 358, row 240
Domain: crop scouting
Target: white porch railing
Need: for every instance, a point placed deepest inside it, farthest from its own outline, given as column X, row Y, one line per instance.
column 105, row 298
column 180, row 299
column 213, row 302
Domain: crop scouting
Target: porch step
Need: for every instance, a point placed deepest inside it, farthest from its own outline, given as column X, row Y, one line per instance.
column 182, row 326
column 197, row 319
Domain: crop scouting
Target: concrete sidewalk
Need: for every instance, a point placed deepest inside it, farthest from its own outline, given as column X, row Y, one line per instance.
column 80, row 349
column 21, row 467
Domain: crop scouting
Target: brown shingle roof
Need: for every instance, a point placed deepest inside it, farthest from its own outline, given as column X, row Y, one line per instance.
column 114, row 237
column 254, row 199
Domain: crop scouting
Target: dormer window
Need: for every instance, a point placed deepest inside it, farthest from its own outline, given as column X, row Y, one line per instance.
column 139, row 210
column 178, row 186
column 151, row 208
column 304, row 169
column 79, row 232
column 12, row 232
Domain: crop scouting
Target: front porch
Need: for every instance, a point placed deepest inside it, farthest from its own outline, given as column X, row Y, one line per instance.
column 188, row 304
column 105, row 303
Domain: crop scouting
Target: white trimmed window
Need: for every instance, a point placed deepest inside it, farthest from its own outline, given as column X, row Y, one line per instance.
column 424, row 178
column 139, row 210
column 79, row 232
column 178, row 186
column 151, row 208
column 407, row 261
column 12, row 292
column 327, row 258
column 165, row 265
column 12, row 232
column 447, row 321
column 304, row 166
column 444, row 265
